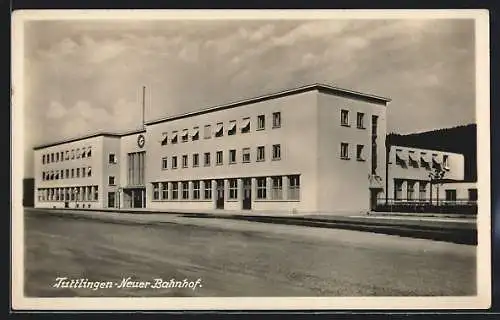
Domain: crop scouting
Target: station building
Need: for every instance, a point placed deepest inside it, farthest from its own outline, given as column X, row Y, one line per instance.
column 311, row 149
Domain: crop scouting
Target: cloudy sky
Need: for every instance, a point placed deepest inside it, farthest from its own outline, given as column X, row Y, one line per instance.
column 83, row 76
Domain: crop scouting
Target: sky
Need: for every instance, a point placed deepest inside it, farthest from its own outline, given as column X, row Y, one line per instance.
column 86, row 76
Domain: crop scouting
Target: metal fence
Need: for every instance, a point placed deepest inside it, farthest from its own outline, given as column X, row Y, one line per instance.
column 458, row 206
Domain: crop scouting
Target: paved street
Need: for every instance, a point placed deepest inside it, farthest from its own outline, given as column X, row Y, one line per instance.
column 239, row 258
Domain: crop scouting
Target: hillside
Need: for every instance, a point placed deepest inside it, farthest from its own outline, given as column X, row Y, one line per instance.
column 460, row 139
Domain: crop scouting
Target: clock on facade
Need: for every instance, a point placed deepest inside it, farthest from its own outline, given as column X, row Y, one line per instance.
column 141, row 140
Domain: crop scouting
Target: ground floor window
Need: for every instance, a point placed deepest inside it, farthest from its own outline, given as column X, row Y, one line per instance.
column 185, row 190
column 261, row 188
column 111, row 199
column 196, row 190
column 472, row 194
column 208, row 189
column 451, row 195
column 398, row 189
column 410, row 190
column 155, row 191
column 422, row 188
column 175, row 190
column 294, row 187
column 277, row 188
column 233, row 188
column 164, row 191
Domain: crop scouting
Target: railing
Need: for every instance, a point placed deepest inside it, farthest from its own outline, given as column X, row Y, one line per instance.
column 458, row 206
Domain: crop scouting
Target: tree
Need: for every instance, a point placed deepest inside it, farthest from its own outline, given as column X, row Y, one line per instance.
column 436, row 176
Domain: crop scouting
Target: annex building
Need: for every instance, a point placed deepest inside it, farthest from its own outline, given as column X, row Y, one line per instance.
column 313, row 149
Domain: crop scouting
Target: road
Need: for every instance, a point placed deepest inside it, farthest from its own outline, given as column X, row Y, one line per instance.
column 239, row 258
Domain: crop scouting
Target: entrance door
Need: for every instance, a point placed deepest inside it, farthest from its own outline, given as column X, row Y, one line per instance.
column 247, row 194
column 137, row 198
column 373, row 198
column 220, row 194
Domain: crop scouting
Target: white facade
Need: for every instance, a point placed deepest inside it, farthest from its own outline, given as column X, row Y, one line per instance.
column 315, row 149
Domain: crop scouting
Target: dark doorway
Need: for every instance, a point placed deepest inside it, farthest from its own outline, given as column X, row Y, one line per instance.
column 373, row 198
column 137, row 198
column 247, row 194
column 220, row 194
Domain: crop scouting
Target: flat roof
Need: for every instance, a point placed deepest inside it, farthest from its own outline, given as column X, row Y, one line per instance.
column 93, row 135
column 316, row 86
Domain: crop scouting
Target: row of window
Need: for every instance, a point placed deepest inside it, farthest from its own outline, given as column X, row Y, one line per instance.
column 219, row 157
column 67, row 155
column 345, row 153
column 245, row 127
column 67, row 174
column 202, row 189
column 410, row 190
column 83, row 193
column 415, row 161
column 346, row 122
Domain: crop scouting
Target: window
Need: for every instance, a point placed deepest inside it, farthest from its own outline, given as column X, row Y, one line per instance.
column 196, row 190
column 196, row 159
column 67, row 173
column 174, row 162
column 276, row 152
column 261, row 122
column 422, row 190
column 111, row 180
column 89, row 152
column 208, row 189
column 245, row 126
column 185, row 136
column 184, row 161
column 294, row 187
column 111, row 199
column 48, row 158
column 155, row 191
column 451, row 195
column 175, row 190
column 219, row 130
column 359, row 152
column 398, row 189
column 72, row 173
column 164, row 163
column 277, row 188
column 96, row 193
column 72, row 154
column 196, row 134
column 276, row 120
column 218, row 160
column 185, row 190
column 67, row 155
column 207, row 131
column 43, row 175
column 84, row 171
column 62, row 156
column 424, row 162
column 164, row 141
column 261, row 188
column 344, row 151
column 344, row 118
column 112, row 158
column 164, row 190
column 52, row 157
column 412, row 159
column 89, row 173
column 232, row 156
column 445, row 162
column 410, row 190
column 245, row 155
column 472, row 194
column 261, row 153
column 78, row 154
column 231, row 131
column 233, row 188
column 57, row 157
column 359, row 120
column 78, row 172
column 174, row 137
column 207, row 159
column 84, row 153
column 43, row 159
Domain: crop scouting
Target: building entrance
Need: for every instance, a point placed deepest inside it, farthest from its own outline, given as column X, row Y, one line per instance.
column 220, row 194
column 134, row 198
column 247, row 194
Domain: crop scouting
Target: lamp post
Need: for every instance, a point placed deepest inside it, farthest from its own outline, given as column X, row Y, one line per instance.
column 75, row 191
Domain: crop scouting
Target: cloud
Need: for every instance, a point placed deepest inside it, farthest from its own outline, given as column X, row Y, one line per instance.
column 56, row 110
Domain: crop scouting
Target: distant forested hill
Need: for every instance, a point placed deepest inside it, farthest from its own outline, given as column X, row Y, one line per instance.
column 461, row 139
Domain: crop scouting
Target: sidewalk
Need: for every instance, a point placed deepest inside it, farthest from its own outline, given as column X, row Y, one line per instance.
column 441, row 229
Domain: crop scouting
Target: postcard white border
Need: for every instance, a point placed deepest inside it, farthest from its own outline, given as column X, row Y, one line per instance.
column 481, row 301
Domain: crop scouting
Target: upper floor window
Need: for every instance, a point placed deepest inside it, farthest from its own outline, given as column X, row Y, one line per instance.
column 72, row 154
column 185, row 136
column 196, row 134
column 261, row 153
column 67, row 155
column 164, row 141
column 174, row 162
column 84, row 171
column 84, row 153
column 207, row 134
column 207, row 159
column 218, row 158
column 261, row 122
column 245, row 155
column 196, row 159
column 359, row 152
column 78, row 154
column 164, row 163
column 344, row 151
column 276, row 152
column 89, row 152
column 112, row 158
column 360, row 120
column 43, row 159
column 184, row 161
column 174, row 137
column 245, row 125
column 232, row 128
column 232, row 156
column 52, row 157
column 344, row 117
column 276, row 119
column 89, row 172
column 219, row 130
column 111, row 180
column 445, row 162
column 57, row 157
column 62, row 155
